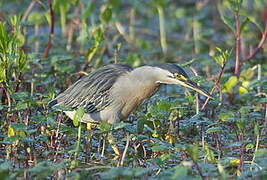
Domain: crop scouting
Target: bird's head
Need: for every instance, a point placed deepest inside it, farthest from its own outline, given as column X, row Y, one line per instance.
column 173, row 74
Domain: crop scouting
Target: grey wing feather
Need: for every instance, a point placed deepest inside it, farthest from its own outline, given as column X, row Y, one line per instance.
column 92, row 91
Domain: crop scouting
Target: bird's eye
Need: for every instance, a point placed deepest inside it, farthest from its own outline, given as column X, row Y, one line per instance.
column 180, row 77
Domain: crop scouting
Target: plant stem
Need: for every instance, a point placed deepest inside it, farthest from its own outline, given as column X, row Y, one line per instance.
column 256, row 149
column 241, row 150
column 260, row 45
column 51, row 33
column 214, row 87
column 199, row 169
column 131, row 25
column 238, row 43
column 78, row 141
column 163, row 41
column 125, row 150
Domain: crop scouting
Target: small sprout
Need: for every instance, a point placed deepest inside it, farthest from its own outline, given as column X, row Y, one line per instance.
column 78, row 116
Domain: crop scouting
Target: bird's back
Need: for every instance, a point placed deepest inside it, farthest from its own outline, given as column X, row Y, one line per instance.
column 92, row 91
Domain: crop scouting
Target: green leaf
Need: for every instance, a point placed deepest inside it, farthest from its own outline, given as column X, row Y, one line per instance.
column 88, row 10
column 223, row 56
column 160, row 148
column 256, row 129
column 119, row 125
column 219, row 60
column 2, row 73
column 104, row 126
column 237, row 5
column 230, row 84
column 98, row 35
column 228, row 116
column 249, row 146
column 106, row 14
column 261, row 153
column 36, row 18
column 164, row 105
column 78, row 116
column 244, row 23
column 192, row 151
column 213, row 129
column 159, row 3
column 228, row 21
column 209, row 154
column 140, row 124
column 180, row 173
column 188, row 63
column 246, row 74
column 10, row 131
column 22, row 62
column 20, row 39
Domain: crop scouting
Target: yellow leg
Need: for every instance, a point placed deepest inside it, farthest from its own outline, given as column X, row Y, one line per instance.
column 113, row 146
column 110, row 140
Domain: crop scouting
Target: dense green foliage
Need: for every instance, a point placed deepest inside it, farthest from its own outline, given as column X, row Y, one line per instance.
column 47, row 45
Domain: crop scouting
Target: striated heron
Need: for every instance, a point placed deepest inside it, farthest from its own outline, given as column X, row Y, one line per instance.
column 112, row 92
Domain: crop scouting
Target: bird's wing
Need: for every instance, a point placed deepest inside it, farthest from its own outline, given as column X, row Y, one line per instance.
column 92, row 91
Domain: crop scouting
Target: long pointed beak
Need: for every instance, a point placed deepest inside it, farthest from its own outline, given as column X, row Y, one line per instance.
column 195, row 87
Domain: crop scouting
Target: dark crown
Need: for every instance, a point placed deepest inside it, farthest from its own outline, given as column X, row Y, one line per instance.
column 173, row 68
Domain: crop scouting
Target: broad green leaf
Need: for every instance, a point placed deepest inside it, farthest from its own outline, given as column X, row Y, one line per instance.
column 21, row 39
column 140, row 124
column 104, row 126
column 88, row 10
column 180, row 12
column 192, row 151
column 252, row 19
column 78, row 116
column 240, row 125
column 213, row 129
column 36, row 18
column 159, row 3
column 181, row 172
column 227, row 20
column 164, row 105
column 19, row 126
column 119, row 125
column 106, row 14
column 244, row 23
column 261, row 153
column 22, row 134
column 160, row 148
column 249, row 147
column 246, row 74
column 229, row 116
